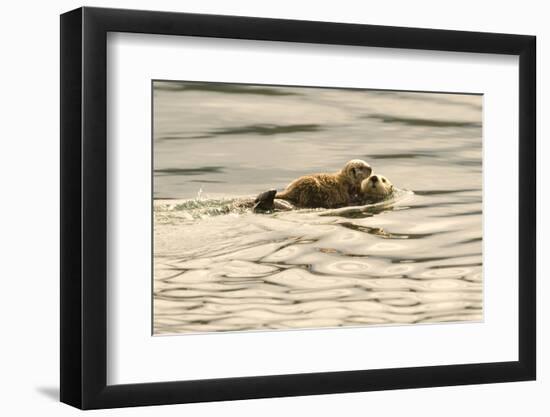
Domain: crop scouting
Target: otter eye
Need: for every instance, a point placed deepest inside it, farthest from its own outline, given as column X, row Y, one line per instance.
column 383, row 180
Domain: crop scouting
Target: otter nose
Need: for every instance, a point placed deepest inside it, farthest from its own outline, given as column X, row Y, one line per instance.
column 374, row 179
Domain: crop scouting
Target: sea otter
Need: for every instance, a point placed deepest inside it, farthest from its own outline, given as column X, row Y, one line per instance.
column 327, row 190
column 374, row 189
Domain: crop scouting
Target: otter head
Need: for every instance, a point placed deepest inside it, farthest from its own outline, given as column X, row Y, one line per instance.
column 376, row 186
column 356, row 171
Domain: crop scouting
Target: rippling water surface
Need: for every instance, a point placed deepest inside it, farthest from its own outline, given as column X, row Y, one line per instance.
column 414, row 259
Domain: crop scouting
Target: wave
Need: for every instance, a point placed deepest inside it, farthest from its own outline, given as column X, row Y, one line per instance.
column 200, row 207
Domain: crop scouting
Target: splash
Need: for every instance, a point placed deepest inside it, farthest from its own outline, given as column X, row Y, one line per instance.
column 200, row 207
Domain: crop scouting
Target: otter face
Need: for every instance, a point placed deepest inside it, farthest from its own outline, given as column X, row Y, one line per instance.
column 377, row 186
column 357, row 170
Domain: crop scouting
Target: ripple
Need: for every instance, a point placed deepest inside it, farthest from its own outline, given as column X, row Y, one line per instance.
column 243, row 269
column 307, row 323
column 325, row 294
column 254, row 253
column 267, row 129
column 222, row 88
column 461, row 317
column 190, row 171
column 424, row 122
column 347, row 267
column 183, row 265
column 399, row 269
column 477, row 277
column 286, row 254
column 445, row 273
column 387, row 247
column 300, row 278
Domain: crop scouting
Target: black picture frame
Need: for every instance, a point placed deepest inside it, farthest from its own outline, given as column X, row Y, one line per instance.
column 84, row 207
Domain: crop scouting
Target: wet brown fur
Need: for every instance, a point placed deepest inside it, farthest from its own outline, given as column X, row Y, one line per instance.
column 325, row 190
column 319, row 190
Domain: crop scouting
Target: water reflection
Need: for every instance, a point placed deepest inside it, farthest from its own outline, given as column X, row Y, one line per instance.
column 415, row 259
column 423, row 122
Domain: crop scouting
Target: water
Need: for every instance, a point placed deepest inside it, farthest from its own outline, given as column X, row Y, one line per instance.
column 414, row 259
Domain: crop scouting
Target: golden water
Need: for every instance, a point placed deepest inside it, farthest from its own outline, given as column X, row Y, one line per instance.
column 416, row 260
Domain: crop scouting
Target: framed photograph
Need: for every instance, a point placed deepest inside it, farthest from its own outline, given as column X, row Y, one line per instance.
column 258, row 208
